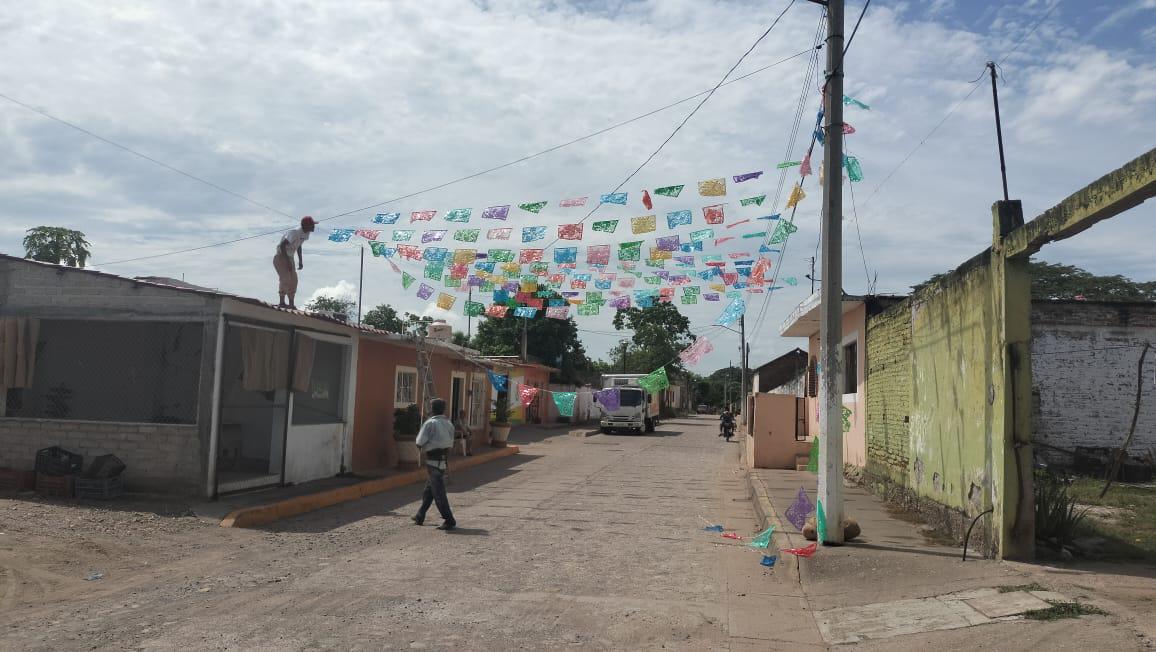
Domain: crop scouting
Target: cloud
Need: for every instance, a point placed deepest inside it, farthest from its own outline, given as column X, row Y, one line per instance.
column 316, row 108
column 341, row 290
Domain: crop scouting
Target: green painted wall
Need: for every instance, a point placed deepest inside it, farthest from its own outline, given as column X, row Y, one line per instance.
column 888, row 392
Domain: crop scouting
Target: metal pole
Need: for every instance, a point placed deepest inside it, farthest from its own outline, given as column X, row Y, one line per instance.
column 831, row 286
column 469, row 318
column 998, row 130
column 743, row 364
column 360, row 284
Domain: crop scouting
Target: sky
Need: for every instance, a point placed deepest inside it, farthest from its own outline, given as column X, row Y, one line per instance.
column 323, row 108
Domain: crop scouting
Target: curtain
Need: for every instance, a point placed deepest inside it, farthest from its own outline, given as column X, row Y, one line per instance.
column 264, row 359
column 303, row 365
column 18, row 338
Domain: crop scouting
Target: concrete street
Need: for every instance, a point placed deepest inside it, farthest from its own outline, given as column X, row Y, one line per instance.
column 581, row 542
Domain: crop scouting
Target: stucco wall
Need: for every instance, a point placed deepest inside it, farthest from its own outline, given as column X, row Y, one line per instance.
column 772, row 442
column 854, row 438
column 1084, row 363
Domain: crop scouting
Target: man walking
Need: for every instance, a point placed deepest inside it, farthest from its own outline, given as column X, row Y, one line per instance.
column 291, row 242
column 435, row 439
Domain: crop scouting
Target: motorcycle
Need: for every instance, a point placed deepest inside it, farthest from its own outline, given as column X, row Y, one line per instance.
column 728, row 430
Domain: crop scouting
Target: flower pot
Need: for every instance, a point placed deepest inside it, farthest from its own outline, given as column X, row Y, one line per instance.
column 499, row 434
column 408, row 455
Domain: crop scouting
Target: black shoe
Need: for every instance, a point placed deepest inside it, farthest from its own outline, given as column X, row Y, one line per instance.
column 447, row 526
column 416, row 520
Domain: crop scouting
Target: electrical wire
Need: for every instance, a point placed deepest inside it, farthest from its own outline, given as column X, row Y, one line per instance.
column 975, row 85
column 451, row 182
column 144, row 156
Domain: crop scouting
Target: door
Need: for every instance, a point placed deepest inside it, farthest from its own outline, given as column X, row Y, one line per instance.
column 457, row 394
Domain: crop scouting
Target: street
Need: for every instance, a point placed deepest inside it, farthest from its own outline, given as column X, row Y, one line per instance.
column 592, row 542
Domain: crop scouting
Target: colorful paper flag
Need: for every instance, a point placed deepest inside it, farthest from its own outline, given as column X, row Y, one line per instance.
column 797, row 195
column 676, row 219
column 563, row 255
column 380, row 249
column 630, row 250
column 655, row 381
column 848, row 100
column 739, row 178
column 527, row 395
column 731, row 313
column 646, row 201
column 788, row 164
column 424, row 291
column 805, row 551
column 668, row 191
column 386, row 218
column 467, row 235
column 605, row 226
column 341, row 235
column 565, row 403
column 573, row 202
column 589, row 309
column 570, row 231
column 700, row 235
column 854, row 170
column 475, row 309
column 805, row 168
column 598, row 255
column 613, row 198
column 497, row 310
column 402, row 235
column 533, row 207
column 530, row 256
column 813, row 462
column 446, row 301
column 499, row 212
column 643, row 224
column 459, row 215
column 407, row 280
column 368, row 234
column 558, row 312
column 526, row 312
column 713, row 214
column 610, row 399
column 757, row 201
column 499, row 234
column 783, row 231
column 422, row 216
column 848, row 129
column 409, row 252
column 433, row 236
column 532, row 233
column 713, row 187
column 798, row 511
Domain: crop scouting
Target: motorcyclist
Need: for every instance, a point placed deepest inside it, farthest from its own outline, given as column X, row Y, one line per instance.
column 726, row 420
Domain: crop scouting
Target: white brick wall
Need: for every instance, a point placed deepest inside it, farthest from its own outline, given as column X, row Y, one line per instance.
column 159, row 457
column 1086, row 397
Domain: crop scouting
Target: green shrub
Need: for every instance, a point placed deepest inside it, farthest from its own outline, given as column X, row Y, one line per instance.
column 1056, row 515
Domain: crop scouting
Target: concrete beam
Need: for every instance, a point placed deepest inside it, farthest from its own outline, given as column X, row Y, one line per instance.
column 1112, row 194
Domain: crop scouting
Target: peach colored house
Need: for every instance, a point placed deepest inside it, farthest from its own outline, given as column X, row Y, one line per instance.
column 387, row 380
column 804, row 322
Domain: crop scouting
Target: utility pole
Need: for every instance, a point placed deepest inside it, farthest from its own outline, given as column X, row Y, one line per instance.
column 998, row 130
column 624, row 343
column 469, row 318
column 812, row 276
column 360, row 285
column 743, row 364
column 831, row 308
column 525, row 323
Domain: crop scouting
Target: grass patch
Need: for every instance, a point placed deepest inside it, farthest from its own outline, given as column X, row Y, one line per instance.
column 1061, row 610
column 1133, row 535
column 1012, row 588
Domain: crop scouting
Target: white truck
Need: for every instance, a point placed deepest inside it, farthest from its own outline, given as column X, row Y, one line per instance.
column 637, row 410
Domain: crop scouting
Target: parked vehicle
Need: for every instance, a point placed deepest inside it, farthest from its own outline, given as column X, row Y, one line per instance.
column 703, row 409
column 638, row 409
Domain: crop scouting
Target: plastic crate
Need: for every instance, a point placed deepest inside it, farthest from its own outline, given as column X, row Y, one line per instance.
column 54, row 460
column 59, row 486
column 12, row 480
column 105, row 466
column 98, row 488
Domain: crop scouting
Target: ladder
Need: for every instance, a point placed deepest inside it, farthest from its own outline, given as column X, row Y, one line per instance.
column 425, row 372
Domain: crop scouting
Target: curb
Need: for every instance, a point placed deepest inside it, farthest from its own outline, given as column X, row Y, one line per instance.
column 768, row 516
column 268, row 513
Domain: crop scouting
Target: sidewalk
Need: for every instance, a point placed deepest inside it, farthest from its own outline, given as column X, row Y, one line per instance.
column 896, row 588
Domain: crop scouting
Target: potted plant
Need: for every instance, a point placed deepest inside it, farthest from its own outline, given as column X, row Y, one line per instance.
column 500, row 426
column 406, row 423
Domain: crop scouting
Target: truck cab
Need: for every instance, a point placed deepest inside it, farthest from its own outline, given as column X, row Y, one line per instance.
column 637, row 411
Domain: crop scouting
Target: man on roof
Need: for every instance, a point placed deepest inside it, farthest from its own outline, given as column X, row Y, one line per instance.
column 291, row 242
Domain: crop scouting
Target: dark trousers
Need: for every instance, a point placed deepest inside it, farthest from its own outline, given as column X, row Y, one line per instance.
column 435, row 492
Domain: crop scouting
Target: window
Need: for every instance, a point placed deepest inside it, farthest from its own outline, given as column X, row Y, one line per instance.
column 813, row 378
column 324, row 401
column 630, row 397
column 128, row 371
column 850, row 368
column 477, row 401
column 405, row 389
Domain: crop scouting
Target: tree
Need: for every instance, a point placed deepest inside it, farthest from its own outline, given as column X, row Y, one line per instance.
column 553, row 341
column 460, row 339
column 385, row 318
column 660, row 333
column 1054, row 281
column 340, row 305
column 56, row 245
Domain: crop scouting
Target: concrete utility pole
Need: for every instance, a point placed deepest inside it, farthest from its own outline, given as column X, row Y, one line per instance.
column 525, row 326
column 360, row 284
column 831, row 320
column 743, row 362
column 998, row 130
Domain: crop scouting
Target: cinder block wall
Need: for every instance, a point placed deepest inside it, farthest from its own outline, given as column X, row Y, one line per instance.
column 160, row 458
column 888, row 380
column 1084, row 363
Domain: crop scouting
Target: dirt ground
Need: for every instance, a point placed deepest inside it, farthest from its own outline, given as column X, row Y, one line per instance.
column 586, row 543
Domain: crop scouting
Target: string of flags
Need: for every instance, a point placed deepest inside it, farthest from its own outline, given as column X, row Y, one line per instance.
column 554, row 275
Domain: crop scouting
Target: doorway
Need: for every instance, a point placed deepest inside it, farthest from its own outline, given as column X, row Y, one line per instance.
column 457, row 395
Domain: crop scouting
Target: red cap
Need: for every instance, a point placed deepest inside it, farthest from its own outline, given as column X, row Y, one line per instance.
column 308, row 221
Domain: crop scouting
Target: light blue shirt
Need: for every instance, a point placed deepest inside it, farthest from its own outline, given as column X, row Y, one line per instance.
column 437, row 432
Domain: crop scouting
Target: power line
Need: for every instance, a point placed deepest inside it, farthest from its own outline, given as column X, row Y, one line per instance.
column 975, row 85
column 480, row 173
column 146, row 157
